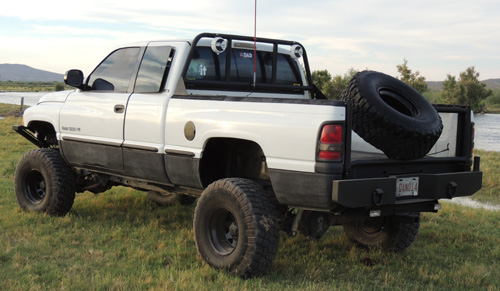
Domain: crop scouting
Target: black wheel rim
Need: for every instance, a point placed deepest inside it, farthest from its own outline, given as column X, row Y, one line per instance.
column 373, row 226
column 36, row 186
column 223, row 231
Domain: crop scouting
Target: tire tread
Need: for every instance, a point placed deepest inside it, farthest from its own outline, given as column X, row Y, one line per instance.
column 396, row 141
column 61, row 193
column 260, row 218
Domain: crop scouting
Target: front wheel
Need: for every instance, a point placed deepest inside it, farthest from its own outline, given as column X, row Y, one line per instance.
column 391, row 233
column 236, row 227
column 44, row 182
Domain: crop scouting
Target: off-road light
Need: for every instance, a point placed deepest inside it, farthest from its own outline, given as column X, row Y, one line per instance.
column 375, row 213
column 296, row 51
column 219, row 45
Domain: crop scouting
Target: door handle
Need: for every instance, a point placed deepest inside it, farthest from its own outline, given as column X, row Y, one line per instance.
column 119, row 108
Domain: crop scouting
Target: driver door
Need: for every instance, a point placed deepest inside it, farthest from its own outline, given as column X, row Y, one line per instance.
column 92, row 120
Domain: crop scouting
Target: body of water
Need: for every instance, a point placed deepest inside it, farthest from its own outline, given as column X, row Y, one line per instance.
column 487, row 132
column 30, row 98
column 487, row 125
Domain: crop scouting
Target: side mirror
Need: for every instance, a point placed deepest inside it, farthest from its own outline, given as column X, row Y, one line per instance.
column 74, row 78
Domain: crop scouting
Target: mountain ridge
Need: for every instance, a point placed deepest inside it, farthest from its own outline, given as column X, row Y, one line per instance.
column 25, row 73
column 493, row 84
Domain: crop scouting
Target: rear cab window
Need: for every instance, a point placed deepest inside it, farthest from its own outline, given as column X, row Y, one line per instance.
column 276, row 70
column 154, row 69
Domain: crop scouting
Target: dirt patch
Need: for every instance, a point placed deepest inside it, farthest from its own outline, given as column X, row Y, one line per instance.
column 468, row 202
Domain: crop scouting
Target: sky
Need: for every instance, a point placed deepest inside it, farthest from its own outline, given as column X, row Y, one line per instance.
column 436, row 37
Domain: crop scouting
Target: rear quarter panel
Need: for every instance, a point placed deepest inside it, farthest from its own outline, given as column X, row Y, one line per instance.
column 286, row 132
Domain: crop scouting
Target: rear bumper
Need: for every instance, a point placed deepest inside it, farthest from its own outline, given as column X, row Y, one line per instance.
column 325, row 192
column 382, row 191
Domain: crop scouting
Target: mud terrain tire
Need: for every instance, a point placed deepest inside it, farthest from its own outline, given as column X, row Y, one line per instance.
column 45, row 182
column 392, row 116
column 390, row 233
column 236, row 227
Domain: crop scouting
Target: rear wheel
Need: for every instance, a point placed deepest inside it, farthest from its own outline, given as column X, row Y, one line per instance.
column 236, row 227
column 45, row 182
column 392, row 233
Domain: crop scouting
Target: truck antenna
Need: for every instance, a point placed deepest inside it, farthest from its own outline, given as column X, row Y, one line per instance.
column 255, row 46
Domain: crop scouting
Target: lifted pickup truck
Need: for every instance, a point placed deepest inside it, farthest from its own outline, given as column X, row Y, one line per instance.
column 237, row 122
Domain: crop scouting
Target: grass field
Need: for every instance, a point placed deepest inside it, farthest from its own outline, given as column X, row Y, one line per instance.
column 119, row 240
column 10, row 86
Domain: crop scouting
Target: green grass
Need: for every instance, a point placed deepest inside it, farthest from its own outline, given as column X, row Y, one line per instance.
column 20, row 86
column 495, row 110
column 119, row 240
column 10, row 110
column 490, row 163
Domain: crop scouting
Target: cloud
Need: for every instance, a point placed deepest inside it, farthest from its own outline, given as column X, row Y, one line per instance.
column 434, row 36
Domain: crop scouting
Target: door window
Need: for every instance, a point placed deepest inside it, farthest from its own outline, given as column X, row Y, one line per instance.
column 115, row 72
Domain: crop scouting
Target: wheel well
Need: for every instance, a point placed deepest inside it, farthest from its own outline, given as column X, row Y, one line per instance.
column 225, row 157
column 45, row 133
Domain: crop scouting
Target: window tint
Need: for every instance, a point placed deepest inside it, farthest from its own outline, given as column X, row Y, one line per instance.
column 242, row 66
column 288, row 71
column 115, row 72
column 207, row 65
column 151, row 75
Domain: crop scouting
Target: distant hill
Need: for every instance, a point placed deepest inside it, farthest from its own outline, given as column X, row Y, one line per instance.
column 434, row 85
column 15, row 72
column 493, row 84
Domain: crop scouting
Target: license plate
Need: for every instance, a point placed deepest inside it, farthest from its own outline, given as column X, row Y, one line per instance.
column 407, row 186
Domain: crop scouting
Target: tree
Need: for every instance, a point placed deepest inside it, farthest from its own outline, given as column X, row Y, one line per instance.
column 332, row 87
column 59, row 87
column 413, row 79
column 320, row 78
column 450, row 90
column 467, row 91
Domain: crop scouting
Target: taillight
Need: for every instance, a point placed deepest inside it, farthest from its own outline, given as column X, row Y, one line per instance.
column 473, row 136
column 330, row 142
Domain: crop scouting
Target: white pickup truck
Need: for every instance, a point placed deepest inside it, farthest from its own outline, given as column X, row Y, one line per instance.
column 237, row 122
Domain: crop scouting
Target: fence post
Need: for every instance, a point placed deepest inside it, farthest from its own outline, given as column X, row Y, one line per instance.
column 22, row 104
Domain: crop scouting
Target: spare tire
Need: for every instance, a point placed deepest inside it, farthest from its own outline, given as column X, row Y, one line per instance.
column 392, row 116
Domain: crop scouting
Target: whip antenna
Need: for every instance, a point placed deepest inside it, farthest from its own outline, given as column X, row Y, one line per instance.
column 255, row 46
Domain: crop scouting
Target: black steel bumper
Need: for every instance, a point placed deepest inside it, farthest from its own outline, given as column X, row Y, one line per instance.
column 29, row 135
column 382, row 191
column 328, row 191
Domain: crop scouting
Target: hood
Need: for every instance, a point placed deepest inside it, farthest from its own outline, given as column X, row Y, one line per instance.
column 59, row 96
